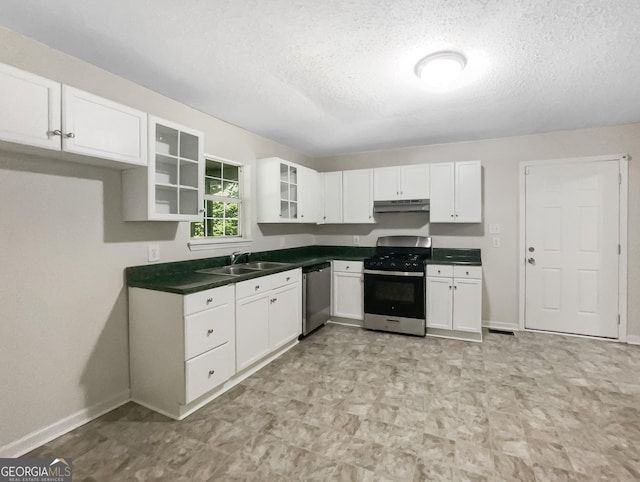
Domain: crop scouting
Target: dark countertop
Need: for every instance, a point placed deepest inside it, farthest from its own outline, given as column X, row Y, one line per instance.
column 467, row 257
column 183, row 278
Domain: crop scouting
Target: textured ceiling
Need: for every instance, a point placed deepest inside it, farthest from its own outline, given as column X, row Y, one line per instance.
column 336, row 76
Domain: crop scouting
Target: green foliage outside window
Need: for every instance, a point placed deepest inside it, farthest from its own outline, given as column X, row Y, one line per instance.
column 222, row 201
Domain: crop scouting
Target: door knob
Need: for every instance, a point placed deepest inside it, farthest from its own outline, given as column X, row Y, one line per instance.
column 531, row 261
column 531, row 249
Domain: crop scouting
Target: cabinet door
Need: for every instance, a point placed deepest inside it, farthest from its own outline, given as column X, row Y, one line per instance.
column 307, row 195
column 98, row 127
column 439, row 303
column 332, row 194
column 285, row 315
column 357, row 196
column 386, row 183
column 31, row 108
column 468, row 188
column 347, row 295
column 467, row 305
column 268, row 190
column 252, row 330
column 442, row 193
column 414, row 182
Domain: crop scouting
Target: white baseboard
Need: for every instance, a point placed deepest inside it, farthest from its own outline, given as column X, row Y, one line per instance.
column 633, row 339
column 500, row 325
column 46, row 434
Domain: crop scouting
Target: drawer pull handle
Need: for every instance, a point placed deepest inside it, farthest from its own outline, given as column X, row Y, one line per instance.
column 257, row 287
column 288, row 278
column 467, row 273
column 438, row 271
column 347, row 267
column 449, row 286
column 456, row 287
column 211, row 372
column 209, row 300
column 210, row 332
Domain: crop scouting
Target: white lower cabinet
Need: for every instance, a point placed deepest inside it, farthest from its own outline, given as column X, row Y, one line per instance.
column 252, row 330
column 268, row 315
column 347, row 289
column 454, row 301
column 181, row 347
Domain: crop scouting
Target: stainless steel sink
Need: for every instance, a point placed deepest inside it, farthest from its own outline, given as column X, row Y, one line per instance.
column 229, row 270
column 264, row 265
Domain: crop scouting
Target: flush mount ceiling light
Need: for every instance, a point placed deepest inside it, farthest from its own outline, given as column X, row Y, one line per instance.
column 441, row 70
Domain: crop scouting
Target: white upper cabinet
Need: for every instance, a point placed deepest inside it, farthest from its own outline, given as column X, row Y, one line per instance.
column 308, row 194
column 346, row 197
column 31, row 108
column 331, row 198
column 44, row 113
column 414, row 182
column 401, row 182
column 357, row 196
column 286, row 192
column 171, row 188
column 97, row 127
column 386, row 183
column 456, row 192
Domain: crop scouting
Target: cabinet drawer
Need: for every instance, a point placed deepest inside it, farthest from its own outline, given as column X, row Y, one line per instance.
column 474, row 272
column 207, row 371
column 204, row 300
column 347, row 266
column 440, row 270
column 208, row 329
column 286, row 278
column 253, row 286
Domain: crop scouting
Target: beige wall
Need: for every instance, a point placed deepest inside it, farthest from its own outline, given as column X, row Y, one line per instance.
column 500, row 158
column 64, row 246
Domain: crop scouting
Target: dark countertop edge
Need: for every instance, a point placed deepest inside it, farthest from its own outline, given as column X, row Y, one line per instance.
column 460, row 262
column 168, row 284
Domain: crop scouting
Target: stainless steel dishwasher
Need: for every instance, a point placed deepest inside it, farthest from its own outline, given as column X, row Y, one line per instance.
column 316, row 296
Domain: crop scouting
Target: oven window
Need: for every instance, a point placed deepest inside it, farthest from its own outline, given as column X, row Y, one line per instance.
column 401, row 296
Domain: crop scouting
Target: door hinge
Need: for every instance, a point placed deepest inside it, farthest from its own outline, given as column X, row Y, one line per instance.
column 618, row 319
column 619, row 249
column 620, row 178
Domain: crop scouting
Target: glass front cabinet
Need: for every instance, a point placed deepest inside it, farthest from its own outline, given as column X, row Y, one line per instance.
column 171, row 188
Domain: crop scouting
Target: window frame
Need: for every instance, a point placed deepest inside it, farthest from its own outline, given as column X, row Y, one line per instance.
column 212, row 242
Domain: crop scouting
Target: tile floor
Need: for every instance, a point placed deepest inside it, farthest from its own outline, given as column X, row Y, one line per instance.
column 350, row 405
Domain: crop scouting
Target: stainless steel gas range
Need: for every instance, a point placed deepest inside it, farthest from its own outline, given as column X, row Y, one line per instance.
column 394, row 285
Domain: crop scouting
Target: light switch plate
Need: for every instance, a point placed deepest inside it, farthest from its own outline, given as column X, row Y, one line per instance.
column 496, row 242
column 154, row 252
column 494, row 229
column 356, row 240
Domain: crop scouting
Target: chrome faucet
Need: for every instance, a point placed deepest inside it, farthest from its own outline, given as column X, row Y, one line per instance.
column 236, row 255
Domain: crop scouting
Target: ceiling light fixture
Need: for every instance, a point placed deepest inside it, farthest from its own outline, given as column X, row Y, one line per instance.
column 441, row 70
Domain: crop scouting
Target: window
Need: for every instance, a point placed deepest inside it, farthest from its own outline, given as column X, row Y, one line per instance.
column 222, row 201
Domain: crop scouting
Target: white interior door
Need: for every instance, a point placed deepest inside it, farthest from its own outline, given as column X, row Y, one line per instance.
column 572, row 237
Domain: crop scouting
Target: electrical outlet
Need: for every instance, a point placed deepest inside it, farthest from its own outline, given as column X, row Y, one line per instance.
column 496, row 242
column 153, row 252
column 356, row 240
column 282, row 241
column 494, row 229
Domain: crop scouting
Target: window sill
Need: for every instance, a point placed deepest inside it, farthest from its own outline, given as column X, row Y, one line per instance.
column 201, row 244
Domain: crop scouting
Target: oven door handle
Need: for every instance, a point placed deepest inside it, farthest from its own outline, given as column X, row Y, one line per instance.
column 418, row 274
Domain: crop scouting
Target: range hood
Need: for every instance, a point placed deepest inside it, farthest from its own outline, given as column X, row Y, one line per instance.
column 405, row 206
